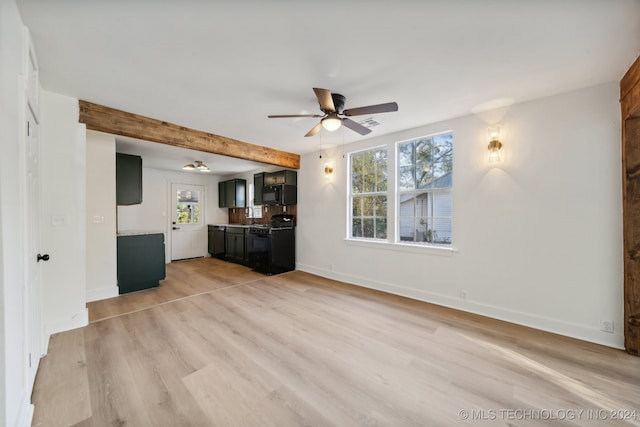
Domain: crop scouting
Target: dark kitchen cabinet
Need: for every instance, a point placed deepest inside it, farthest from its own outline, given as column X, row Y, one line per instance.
column 128, row 179
column 258, row 183
column 216, row 241
column 140, row 261
column 236, row 247
column 232, row 193
column 281, row 177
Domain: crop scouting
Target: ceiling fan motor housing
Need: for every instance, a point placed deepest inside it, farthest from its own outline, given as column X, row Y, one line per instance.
column 338, row 102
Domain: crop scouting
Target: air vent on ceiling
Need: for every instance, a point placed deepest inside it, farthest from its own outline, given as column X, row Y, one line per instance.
column 369, row 123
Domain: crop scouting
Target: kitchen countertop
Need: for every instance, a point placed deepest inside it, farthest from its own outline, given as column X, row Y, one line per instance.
column 137, row 232
column 235, row 225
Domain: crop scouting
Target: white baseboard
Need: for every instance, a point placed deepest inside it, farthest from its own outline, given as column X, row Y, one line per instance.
column 78, row 320
column 555, row 326
column 102, row 293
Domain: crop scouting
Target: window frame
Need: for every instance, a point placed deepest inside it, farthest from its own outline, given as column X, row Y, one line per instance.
column 430, row 192
column 351, row 196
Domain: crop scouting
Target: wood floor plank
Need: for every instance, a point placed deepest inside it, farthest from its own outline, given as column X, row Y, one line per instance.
column 220, row 345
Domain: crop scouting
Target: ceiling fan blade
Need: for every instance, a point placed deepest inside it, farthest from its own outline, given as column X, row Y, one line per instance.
column 372, row 109
column 315, row 129
column 281, row 116
column 325, row 99
column 355, row 126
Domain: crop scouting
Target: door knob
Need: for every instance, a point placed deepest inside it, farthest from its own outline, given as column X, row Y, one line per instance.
column 176, row 228
column 44, row 257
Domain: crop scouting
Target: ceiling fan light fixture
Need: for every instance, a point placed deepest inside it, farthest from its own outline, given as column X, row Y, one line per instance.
column 188, row 167
column 332, row 122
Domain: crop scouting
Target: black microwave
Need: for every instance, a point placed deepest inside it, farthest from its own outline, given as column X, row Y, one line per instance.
column 280, row 194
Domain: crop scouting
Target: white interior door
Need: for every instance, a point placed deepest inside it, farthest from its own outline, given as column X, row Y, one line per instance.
column 32, row 292
column 188, row 231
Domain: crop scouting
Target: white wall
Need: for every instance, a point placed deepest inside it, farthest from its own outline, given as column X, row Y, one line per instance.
column 63, row 159
column 154, row 213
column 100, row 222
column 538, row 240
column 14, row 400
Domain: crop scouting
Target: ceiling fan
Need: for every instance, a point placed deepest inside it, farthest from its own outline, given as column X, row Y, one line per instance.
column 332, row 105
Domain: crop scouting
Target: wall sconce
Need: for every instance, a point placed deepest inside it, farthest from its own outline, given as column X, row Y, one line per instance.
column 495, row 146
column 328, row 170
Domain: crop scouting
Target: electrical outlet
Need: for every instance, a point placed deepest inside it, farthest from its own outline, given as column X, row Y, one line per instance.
column 606, row 325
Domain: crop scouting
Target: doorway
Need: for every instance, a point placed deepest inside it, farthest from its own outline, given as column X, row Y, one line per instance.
column 188, row 231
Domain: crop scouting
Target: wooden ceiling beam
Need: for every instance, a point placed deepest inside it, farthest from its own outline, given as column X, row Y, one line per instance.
column 105, row 119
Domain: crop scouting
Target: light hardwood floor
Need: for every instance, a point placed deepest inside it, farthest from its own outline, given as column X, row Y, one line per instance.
column 219, row 345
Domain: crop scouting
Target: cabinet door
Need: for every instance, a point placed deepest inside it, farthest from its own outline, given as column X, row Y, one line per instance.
column 230, row 193
column 222, row 201
column 258, row 183
column 128, row 179
column 241, row 193
column 281, row 177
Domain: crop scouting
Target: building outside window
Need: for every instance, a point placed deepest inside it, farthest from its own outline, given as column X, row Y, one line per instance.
column 425, row 176
column 368, row 194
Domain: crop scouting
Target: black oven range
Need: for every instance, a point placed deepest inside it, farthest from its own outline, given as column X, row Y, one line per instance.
column 271, row 249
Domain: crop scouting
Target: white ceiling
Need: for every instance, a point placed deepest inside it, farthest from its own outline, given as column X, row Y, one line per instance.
column 223, row 66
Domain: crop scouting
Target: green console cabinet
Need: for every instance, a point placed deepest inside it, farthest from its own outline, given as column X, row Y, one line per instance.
column 141, row 261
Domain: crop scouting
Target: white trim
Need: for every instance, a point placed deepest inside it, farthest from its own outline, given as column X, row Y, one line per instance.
column 102, row 293
column 25, row 412
column 525, row 319
column 402, row 247
column 78, row 320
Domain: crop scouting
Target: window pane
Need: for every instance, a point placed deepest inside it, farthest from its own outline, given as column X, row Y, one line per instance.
column 357, row 206
column 423, row 207
column 381, row 228
column 356, row 183
column 406, row 229
column 442, row 230
column 407, row 205
column 187, row 207
column 424, row 232
column 380, row 206
column 367, row 205
column 442, row 204
column 356, row 227
column 356, row 173
column 367, row 228
column 381, row 170
column 405, row 154
column 406, row 179
column 443, row 160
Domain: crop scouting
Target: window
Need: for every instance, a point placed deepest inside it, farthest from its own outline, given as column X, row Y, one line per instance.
column 425, row 172
column 253, row 211
column 368, row 194
column 187, row 207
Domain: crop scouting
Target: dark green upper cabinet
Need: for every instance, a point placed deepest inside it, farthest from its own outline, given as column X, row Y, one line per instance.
column 281, row 177
column 258, row 183
column 232, row 193
column 128, row 179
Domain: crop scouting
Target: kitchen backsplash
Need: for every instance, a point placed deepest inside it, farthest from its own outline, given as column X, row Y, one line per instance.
column 239, row 215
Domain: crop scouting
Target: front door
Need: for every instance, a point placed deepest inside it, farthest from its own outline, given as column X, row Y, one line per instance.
column 188, row 231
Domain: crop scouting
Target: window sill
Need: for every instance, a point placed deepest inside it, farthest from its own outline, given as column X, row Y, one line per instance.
column 402, row 247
